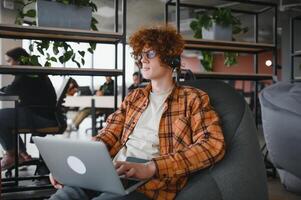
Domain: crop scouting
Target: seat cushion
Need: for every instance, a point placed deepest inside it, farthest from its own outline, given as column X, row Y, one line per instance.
column 285, row 96
column 281, row 117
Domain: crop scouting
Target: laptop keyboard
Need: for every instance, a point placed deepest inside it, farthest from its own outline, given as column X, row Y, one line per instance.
column 128, row 182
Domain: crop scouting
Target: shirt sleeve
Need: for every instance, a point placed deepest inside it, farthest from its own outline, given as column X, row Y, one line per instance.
column 14, row 87
column 207, row 146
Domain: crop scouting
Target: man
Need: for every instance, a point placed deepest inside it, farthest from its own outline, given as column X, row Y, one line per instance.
column 172, row 126
column 136, row 81
column 107, row 89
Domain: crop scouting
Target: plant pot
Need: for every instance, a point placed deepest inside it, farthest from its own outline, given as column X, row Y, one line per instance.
column 218, row 32
column 54, row 14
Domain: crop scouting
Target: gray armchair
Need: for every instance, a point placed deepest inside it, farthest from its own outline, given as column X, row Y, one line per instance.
column 281, row 119
column 241, row 174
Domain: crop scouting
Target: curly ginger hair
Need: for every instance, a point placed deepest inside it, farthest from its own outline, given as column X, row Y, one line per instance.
column 164, row 39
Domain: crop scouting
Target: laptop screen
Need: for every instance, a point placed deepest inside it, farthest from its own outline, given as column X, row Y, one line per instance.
column 84, row 91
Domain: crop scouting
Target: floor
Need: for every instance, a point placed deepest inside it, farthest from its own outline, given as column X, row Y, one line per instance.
column 276, row 190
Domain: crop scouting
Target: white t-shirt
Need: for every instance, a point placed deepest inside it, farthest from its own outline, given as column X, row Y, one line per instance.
column 144, row 141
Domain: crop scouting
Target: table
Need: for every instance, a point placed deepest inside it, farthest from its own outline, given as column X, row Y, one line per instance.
column 105, row 102
column 86, row 101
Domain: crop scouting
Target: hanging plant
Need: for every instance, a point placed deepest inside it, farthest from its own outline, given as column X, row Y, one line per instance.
column 224, row 18
column 62, row 51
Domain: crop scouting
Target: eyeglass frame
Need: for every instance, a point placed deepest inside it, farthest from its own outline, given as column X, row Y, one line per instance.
column 150, row 54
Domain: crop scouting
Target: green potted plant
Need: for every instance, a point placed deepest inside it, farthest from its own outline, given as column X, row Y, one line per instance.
column 61, row 51
column 219, row 24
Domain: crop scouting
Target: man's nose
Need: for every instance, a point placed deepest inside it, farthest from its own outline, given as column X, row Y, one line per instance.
column 144, row 59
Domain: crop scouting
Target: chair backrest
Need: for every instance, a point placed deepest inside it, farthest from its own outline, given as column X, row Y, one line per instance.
column 241, row 174
column 186, row 75
column 57, row 125
column 61, row 94
column 85, row 91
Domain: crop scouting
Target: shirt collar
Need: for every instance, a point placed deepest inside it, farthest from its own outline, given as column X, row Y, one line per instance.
column 173, row 95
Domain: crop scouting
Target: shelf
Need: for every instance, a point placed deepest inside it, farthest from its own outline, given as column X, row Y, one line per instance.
column 240, row 76
column 297, row 79
column 219, row 45
column 41, row 33
column 297, row 54
column 17, row 69
column 5, row 97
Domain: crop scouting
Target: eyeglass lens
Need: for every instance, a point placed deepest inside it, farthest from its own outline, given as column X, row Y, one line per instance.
column 149, row 54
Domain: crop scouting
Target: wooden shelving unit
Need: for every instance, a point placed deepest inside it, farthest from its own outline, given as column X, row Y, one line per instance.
column 215, row 45
column 235, row 46
column 237, row 76
column 17, row 69
column 297, row 54
column 297, row 79
column 72, row 35
column 42, row 33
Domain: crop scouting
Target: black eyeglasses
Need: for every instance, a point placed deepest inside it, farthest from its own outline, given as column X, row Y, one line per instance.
column 149, row 54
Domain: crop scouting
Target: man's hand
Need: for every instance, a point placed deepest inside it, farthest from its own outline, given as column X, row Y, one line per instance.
column 54, row 182
column 136, row 170
column 99, row 93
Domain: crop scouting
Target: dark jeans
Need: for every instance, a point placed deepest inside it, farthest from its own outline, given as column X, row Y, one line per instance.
column 26, row 120
column 75, row 193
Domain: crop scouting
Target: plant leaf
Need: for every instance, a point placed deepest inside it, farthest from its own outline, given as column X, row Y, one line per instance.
column 30, row 47
column 230, row 58
column 55, row 49
column 194, row 25
column 53, row 59
column 62, row 59
column 30, row 13
column 68, row 55
column 47, row 64
column 92, row 45
column 82, row 53
column 41, row 50
column 90, row 50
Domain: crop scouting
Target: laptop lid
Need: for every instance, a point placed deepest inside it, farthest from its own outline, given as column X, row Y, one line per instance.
column 84, row 91
column 84, row 164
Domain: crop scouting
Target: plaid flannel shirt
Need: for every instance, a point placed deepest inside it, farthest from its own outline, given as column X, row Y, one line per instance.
column 190, row 137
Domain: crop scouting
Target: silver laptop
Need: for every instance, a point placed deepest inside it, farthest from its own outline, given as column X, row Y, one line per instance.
column 84, row 164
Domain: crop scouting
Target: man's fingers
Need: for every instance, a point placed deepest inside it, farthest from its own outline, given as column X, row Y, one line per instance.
column 58, row 186
column 125, row 168
column 54, row 182
column 122, row 169
column 119, row 163
column 130, row 172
